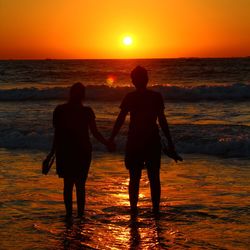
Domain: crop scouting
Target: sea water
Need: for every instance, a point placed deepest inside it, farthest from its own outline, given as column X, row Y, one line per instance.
column 205, row 199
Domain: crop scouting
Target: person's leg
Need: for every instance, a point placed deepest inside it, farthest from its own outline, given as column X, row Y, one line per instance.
column 134, row 183
column 80, row 186
column 80, row 195
column 155, row 187
column 67, row 195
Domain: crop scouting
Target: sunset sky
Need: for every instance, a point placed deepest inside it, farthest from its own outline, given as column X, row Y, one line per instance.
column 33, row 29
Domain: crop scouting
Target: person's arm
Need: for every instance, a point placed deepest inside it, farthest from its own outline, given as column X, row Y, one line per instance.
column 118, row 124
column 165, row 128
column 96, row 133
column 53, row 148
column 170, row 151
column 48, row 161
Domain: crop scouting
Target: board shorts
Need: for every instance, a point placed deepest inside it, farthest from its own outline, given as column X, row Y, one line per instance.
column 146, row 156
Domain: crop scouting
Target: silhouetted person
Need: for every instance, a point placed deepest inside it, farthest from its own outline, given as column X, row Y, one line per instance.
column 143, row 148
column 72, row 145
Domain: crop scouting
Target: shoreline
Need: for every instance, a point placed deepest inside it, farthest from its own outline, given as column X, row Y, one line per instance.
column 204, row 205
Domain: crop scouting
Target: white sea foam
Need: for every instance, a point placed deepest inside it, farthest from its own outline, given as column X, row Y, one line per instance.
column 234, row 92
column 226, row 141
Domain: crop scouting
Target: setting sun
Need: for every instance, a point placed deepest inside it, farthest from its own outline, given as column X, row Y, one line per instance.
column 58, row 29
column 127, row 40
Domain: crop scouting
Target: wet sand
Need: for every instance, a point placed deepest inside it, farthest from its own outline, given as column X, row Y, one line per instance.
column 205, row 205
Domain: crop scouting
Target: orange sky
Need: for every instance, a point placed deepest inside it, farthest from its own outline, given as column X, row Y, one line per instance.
column 95, row 28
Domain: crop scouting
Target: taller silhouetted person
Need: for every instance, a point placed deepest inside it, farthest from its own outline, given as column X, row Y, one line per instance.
column 143, row 148
column 72, row 145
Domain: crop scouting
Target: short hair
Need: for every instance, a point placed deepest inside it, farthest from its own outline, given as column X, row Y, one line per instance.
column 77, row 92
column 139, row 76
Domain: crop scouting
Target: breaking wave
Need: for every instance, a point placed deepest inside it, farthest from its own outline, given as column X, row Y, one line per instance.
column 217, row 140
column 234, row 92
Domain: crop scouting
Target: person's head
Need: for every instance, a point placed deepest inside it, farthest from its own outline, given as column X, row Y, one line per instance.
column 77, row 92
column 139, row 76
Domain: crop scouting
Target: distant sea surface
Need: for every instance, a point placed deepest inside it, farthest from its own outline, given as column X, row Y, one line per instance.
column 207, row 104
column 207, row 100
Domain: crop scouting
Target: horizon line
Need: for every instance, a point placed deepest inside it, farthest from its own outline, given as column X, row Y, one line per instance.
column 139, row 58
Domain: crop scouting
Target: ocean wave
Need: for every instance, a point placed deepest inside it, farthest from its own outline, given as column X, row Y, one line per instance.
column 231, row 147
column 217, row 140
column 234, row 92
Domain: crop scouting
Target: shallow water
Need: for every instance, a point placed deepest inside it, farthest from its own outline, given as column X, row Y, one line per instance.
column 205, row 199
column 205, row 205
column 206, row 127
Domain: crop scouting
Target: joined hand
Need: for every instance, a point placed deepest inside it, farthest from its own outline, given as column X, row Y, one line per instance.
column 111, row 146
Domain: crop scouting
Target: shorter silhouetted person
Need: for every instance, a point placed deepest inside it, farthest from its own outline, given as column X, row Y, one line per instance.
column 72, row 147
column 143, row 147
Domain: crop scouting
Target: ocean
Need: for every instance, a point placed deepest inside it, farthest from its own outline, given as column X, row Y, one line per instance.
column 205, row 198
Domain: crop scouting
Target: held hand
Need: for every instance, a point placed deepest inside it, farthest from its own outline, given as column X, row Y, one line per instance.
column 111, row 146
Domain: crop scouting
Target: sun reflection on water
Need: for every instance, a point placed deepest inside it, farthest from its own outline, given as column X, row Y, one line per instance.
column 202, row 200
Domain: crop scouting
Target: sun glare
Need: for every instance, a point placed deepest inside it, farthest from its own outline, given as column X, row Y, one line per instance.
column 127, row 40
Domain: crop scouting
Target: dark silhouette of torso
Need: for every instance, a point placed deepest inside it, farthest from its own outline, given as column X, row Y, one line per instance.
column 144, row 107
column 73, row 147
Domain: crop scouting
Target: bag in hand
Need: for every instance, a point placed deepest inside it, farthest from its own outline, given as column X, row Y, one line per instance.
column 47, row 163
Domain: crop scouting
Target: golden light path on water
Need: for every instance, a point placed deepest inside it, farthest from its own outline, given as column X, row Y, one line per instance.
column 204, row 206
